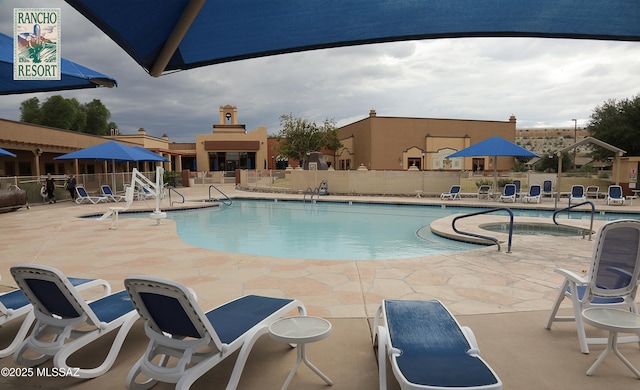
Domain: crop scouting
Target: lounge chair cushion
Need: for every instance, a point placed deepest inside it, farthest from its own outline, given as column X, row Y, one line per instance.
column 434, row 349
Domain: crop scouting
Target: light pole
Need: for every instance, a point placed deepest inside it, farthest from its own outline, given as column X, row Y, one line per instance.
column 575, row 141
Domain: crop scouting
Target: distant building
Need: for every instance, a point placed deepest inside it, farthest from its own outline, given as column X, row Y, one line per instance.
column 230, row 146
column 397, row 143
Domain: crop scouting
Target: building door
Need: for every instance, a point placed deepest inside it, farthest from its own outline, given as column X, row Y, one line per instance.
column 413, row 161
column 478, row 164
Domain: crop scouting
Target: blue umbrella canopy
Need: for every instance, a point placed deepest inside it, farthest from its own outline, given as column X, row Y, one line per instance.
column 73, row 76
column 494, row 146
column 182, row 34
column 150, row 155
column 6, row 153
column 109, row 151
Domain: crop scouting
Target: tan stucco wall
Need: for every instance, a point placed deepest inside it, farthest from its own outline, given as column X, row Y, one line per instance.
column 259, row 134
column 383, row 142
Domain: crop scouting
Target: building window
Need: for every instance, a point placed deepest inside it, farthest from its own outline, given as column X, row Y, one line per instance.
column 230, row 161
column 24, row 168
column 414, row 162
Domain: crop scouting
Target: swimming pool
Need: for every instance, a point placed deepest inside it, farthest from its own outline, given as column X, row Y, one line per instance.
column 326, row 230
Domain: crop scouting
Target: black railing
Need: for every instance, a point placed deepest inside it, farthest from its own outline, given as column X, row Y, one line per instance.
column 568, row 209
column 495, row 240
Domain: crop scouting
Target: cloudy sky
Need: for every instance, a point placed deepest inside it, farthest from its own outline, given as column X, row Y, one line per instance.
column 543, row 82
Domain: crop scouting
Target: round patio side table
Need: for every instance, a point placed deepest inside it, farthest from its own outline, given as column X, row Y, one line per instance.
column 301, row 330
column 614, row 321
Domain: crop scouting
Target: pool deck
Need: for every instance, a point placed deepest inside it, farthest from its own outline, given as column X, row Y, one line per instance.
column 504, row 297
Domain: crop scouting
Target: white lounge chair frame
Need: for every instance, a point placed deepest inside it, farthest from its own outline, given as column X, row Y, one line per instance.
column 186, row 351
column 573, row 196
column 454, row 193
column 507, row 195
column 83, row 196
column 484, row 192
column 615, row 287
column 534, row 195
column 14, row 304
column 65, row 322
column 611, row 200
column 430, row 328
column 108, row 193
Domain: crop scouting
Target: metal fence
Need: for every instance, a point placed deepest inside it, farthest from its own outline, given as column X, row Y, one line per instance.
column 33, row 184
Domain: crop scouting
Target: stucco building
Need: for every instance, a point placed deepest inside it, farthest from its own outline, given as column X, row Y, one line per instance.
column 375, row 142
column 230, row 146
column 398, row 143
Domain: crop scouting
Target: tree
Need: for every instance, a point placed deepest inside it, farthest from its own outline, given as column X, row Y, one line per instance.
column 549, row 163
column 97, row 118
column 616, row 123
column 300, row 136
column 68, row 114
column 30, row 111
column 58, row 112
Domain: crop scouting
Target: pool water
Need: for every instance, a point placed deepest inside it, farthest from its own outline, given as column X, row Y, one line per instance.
column 327, row 230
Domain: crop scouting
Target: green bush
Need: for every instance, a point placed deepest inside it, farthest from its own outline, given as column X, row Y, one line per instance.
column 484, row 182
column 504, row 181
column 170, row 178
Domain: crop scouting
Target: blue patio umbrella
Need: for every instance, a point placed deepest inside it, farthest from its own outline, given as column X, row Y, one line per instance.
column 150, row 155
column 6, row 153
column 494, row 146
column 73, row 76
column 109, row 151
column 164, row 36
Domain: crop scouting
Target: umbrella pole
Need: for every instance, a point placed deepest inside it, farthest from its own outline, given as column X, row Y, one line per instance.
column 495, row 172
column 113, row 174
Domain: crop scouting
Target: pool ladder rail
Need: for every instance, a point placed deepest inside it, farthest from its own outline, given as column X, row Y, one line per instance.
column 322, row 189
column 488, row 238
column 495, row 240
column 226, row 200
column 568, row 209
column 172, row 189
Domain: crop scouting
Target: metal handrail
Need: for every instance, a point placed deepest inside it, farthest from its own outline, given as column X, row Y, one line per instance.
column 310, row 191
column 495, row 240
column 171, row 202
column 593, row 212
column 227, row 201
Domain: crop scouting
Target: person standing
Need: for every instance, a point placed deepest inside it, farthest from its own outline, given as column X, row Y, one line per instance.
column 71, row 186
column 51, row 186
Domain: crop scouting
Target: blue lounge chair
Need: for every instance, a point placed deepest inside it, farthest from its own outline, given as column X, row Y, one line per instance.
column 533, row 195
column 612, row 280
column 185, row 342
column 65, row 322
column 14, row 304
column 83, row 196
column 614, row 195
column 518, row 185
column 428, row 349
column 454, row 193
column 577, row 194
column 509, row 193
column 547, row 189
column 107, row 193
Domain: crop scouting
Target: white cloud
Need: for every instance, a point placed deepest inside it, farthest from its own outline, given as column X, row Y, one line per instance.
column 544, row 82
